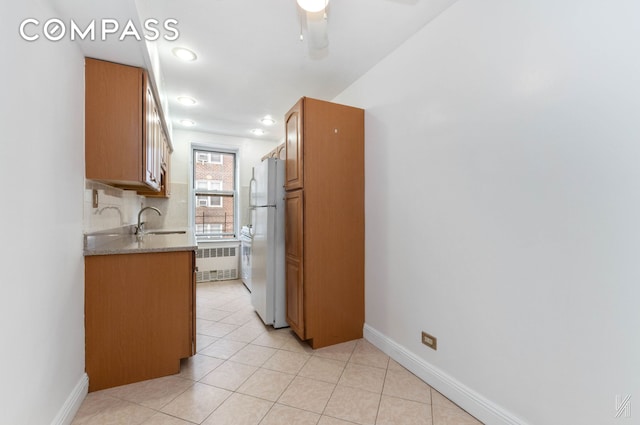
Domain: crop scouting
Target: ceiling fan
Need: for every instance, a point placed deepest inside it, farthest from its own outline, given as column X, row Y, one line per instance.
column 315, row 17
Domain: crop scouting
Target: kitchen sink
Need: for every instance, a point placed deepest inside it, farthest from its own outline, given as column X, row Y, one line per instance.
column 165, row 232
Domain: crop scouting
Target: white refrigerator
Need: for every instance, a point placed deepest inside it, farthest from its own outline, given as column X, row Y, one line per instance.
column 266, row 192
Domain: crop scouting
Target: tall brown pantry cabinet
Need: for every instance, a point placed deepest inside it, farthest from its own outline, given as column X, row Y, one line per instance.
column 324, row 218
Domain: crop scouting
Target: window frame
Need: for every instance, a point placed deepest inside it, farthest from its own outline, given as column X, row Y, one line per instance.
column 234, row 194
column 209, row 187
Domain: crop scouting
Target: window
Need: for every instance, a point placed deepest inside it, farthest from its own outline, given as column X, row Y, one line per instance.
column 209, row 185
column 209, row 158
column 215, row 191
column 213, row 228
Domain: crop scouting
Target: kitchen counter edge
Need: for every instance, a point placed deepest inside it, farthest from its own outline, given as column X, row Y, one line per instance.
column 116, row 244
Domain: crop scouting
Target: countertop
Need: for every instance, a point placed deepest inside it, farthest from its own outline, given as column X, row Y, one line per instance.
column 126, row 243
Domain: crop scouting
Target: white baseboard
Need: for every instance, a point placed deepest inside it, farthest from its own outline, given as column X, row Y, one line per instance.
column 478, row 406
column 72, row 404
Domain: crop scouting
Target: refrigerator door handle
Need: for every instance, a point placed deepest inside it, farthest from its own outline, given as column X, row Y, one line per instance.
column 252, row 184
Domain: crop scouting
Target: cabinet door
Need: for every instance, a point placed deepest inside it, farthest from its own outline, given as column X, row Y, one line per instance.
column 164, row 172
column 294, row 262
column 151, row 140
column 167, row 171
column 294, row 148
column 136, row 304
column 149, row 135
column 114, row 96
column 193, row 304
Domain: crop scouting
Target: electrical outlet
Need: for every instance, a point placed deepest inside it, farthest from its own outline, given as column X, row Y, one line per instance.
column 429, row 340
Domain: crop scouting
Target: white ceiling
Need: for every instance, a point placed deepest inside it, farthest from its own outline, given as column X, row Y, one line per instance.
column 251, row 62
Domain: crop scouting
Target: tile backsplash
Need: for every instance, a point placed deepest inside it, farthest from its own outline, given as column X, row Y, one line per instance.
column 175, row 210
column 116, row 207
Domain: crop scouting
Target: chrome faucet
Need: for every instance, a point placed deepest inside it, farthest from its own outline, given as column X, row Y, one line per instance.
column 139, row 227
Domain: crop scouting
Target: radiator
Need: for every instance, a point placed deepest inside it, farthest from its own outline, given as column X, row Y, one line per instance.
column 217, row 261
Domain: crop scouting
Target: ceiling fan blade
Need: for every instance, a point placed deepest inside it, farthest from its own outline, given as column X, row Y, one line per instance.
column 317, row 30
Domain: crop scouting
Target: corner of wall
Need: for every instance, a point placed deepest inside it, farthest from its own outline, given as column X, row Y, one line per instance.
column 474, row 403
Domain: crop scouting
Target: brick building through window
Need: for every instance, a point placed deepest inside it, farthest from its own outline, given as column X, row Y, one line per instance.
column 214, row 184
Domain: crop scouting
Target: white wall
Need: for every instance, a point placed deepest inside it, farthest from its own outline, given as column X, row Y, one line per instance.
column 503, row 205
column 41, row 271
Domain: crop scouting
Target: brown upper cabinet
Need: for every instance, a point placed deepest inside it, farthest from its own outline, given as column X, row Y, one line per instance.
column 158, row 154
column 125, row 140
column 293, row 148
column 324, row 221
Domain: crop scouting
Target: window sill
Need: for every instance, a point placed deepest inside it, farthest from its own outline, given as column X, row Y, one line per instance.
column 210, row 239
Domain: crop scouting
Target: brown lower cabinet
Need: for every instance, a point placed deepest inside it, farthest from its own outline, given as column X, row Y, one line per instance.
column 139, row 316
column 293, row 262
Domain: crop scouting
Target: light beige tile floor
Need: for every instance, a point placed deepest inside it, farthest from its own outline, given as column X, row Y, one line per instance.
column 246, row 373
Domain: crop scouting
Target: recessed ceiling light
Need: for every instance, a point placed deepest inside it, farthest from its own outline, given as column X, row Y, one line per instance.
column 258, row 131
column 184, row 54
column 188, row 123
column 268, row 120
column 186, row 100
